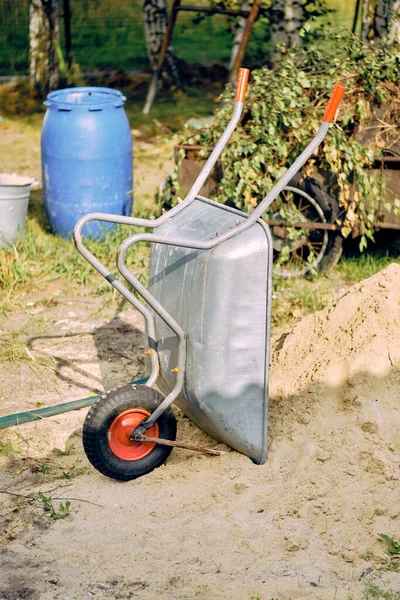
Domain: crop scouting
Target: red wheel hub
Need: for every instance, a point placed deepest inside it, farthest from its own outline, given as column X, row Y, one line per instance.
column 120, row 430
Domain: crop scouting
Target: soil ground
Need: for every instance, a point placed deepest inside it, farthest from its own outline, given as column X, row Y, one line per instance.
column 197, row 527
column 304, row 525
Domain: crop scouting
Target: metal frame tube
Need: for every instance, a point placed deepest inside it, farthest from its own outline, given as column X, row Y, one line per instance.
column 215, row 154
column 118, row 285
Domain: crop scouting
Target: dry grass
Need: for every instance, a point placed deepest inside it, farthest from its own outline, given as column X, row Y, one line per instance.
column 16, row 351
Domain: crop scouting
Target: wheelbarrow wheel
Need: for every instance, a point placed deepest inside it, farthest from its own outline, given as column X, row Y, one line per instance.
column 109, row 424
column 298, row 252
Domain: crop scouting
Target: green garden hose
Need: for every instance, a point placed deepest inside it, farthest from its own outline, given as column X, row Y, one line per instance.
column 50, row 411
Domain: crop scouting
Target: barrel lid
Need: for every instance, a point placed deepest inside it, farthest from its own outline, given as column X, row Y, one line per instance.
column 86, row 98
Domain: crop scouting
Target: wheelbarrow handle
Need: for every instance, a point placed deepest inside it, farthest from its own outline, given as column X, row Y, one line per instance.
column 334, row 101
column 241, row 86
column 329, row 115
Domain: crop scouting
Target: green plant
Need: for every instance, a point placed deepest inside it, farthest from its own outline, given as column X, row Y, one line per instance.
column 283, row 111
column 367, row 555
column 66, row 452
column 72, row 473
column 54, row 513
column 42, row 468
column 9, row 446
column 374, row 592
column 393, row 547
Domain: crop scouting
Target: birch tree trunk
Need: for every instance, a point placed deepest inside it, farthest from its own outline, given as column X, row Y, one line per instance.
column 239, row 35
column 380, row 18
column 43, row 39
column 394, row 26
column 367, row 20
column 286, row 20
column 155, row 18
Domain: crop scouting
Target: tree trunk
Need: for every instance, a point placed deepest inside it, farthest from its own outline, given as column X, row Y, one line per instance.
column 155, row 17
column 394, row 26
column 43, row 41
column 67, row 32
column 367, row 24
column 239, row 35
column 286, row 20
column 380, row 18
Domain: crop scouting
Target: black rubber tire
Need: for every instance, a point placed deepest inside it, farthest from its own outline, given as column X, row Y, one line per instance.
column 391, row 242
column 330, row 208
column 105, row 411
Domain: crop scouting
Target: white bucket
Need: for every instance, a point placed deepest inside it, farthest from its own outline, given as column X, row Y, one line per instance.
column 14, row 198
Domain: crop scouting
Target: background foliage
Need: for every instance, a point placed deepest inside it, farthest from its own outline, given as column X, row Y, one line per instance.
column 283, row 111
column 108, row 34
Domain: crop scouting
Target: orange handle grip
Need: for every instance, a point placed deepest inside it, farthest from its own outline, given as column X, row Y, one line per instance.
column 241, row 85
column 334, row 101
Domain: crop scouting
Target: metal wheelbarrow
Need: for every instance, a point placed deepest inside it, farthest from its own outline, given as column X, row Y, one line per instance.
column 207, row 313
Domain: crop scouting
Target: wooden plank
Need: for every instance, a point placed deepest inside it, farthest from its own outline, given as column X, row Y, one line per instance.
column 151, row 94
column 215, row 11
column 245, row 40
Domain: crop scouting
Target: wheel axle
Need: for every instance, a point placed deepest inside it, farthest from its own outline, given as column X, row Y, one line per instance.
column 183, row 445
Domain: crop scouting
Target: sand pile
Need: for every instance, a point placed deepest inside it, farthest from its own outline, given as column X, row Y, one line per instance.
column 335, row 415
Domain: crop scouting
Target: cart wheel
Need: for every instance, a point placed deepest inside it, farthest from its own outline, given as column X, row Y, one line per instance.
column 299, row 252
column 109, row 424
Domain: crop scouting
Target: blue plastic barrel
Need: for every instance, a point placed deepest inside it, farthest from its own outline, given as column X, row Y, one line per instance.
column 86, row 158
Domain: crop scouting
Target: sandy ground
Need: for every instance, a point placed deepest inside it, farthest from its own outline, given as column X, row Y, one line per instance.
column 304, row 525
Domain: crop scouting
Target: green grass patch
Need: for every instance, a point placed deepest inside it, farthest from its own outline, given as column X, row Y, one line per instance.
column 41, row 257
column 356, row 268
column 172, row 107
column 373, row 591
column 293, row 298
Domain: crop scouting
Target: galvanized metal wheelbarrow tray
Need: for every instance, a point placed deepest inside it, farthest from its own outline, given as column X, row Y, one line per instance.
column 208, row 303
